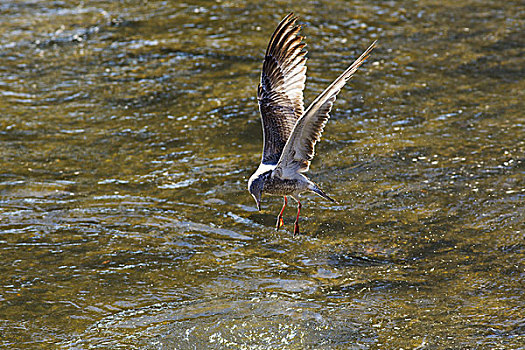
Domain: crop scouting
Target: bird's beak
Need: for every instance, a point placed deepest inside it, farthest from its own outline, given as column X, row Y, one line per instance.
column 258, row 201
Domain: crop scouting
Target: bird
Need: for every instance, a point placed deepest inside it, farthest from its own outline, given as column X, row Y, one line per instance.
column 290, row 132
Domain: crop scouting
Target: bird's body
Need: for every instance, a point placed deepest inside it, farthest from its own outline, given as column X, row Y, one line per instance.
column 290, row 132
column 279, row 186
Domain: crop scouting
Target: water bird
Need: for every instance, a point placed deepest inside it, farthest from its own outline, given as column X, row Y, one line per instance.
column 290, row 132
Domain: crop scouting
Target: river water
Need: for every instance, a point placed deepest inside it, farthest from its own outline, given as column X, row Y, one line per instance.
column 128, row 130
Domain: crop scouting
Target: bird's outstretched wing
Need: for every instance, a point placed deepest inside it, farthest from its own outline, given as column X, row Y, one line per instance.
column 280, row 91
column 299, row 149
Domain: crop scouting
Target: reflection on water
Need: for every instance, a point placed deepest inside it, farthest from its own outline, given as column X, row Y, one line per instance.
column 127, row 135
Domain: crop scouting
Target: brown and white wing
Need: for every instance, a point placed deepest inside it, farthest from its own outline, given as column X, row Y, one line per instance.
column 280, row 92
column 299, row 149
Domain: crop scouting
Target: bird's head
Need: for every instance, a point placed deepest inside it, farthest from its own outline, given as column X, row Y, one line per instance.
column 255, row 186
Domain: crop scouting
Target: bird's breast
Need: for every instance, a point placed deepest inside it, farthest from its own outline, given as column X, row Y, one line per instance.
column 283, row 187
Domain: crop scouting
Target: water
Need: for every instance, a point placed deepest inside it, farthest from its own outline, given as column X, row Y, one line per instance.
column 128, row 131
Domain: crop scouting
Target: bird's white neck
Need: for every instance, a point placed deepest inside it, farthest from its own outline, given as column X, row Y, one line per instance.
column 260, row 170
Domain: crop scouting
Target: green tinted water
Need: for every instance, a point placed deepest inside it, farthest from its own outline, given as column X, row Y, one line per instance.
column 128, row 131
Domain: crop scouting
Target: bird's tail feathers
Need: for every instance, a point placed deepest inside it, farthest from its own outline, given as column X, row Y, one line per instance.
column 315, row 189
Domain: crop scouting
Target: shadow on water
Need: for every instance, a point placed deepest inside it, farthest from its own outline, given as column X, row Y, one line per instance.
column 127, row 135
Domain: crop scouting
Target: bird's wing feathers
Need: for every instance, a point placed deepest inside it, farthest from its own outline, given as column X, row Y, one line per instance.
column 280, row 92
column 299, row 149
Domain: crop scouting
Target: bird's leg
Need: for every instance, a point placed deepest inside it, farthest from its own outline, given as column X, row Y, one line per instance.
column 280, row 221
column 296, row 224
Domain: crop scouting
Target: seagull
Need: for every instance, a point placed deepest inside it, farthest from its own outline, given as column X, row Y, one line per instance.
column 290, row 132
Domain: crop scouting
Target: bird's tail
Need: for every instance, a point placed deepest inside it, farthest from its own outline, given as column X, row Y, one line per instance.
column 315, row 189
